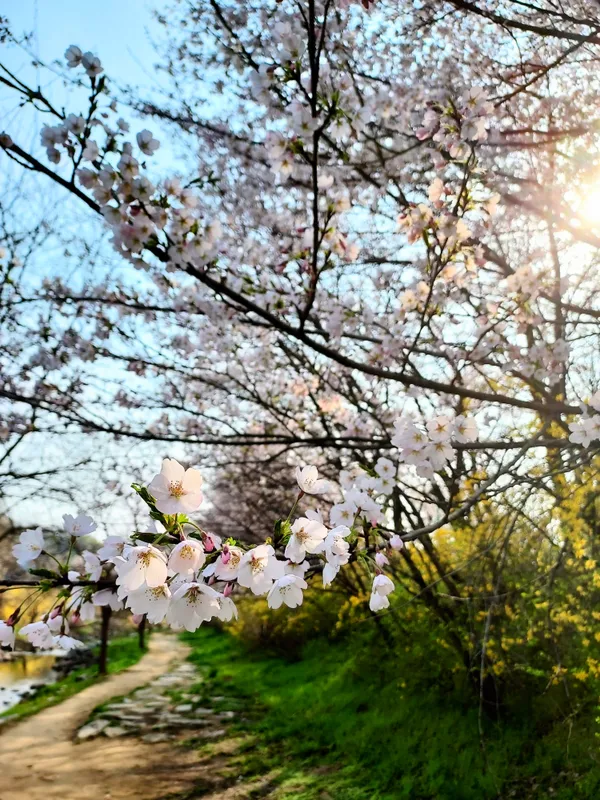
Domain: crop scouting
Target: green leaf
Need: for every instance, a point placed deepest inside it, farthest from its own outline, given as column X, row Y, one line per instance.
column 45, row 573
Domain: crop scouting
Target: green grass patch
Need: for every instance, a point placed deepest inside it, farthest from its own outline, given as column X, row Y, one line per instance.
column 123, row 652
column 352, row 721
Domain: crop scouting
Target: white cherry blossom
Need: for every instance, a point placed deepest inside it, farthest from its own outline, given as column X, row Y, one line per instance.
column 187, row 557
column 382, row 587
column 145, row 564
column 29, row 547
column 307, row 537
column 176, row 490
column 114, row 547
column 288, row 590
column 7, row 635
column 81, row 525
column 106, row 597
column 39, row 635
column 152, row 601
column 309, row 481
column 73, row 56
column 92, row 565
column 259, row 568
column 192, row 604
column 147, row 143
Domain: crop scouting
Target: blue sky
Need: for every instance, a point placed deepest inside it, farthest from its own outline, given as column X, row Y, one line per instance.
column 120, row 34
column 115, row 29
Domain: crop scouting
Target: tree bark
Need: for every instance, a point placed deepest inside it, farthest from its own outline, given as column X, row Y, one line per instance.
column 104, row 630
column 142, row 633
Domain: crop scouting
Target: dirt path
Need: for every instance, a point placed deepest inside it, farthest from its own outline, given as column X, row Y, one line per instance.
column 40, row 761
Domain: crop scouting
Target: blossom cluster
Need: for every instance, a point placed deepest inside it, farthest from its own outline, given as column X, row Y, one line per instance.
column 452, row 124
column 586, row 429
column 138, row 212
column 430, row 448
column 178, row 573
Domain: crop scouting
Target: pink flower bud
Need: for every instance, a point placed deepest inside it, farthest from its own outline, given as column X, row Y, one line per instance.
column 209, row 545
column 381, row 560
column 396, row 542
column 228, row 590
column 137, row 618
column 55, row 612
column 226, row 555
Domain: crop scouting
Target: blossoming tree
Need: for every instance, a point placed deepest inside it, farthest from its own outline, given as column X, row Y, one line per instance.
column 382, row 256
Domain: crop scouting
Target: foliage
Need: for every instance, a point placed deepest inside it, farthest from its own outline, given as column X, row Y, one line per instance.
column 339, row 724
column 284, row 633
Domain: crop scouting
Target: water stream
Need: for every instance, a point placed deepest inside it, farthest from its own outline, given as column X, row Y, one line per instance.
column 21, row 673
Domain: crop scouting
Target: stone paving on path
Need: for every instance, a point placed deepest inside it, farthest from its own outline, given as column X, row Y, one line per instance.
column 164, row 710
column 155, row 731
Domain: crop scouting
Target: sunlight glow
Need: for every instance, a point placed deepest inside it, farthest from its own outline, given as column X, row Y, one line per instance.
column 588, row 209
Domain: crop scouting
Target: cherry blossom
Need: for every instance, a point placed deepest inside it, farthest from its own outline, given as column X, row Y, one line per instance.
column 288, row 590
column 30, row 546
column 192, row 604
column 107, row 597
column 81, row 525
column 7, row 635
column 309, row 482
column 147, row 143
column 114, row 547
column 337, row 552
column 73, row 56
column 307, row 537
column 152, row 601
column 90, row 63
column 38, row 634
column 259, row 568
column 143, row 564
column 187, row 557
column 176, row 490
column 92, row 565
column 227, row 565
column 382, row 587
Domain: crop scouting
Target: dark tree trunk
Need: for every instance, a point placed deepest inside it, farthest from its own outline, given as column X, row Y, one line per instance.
column 142, row 633
column 103, row 658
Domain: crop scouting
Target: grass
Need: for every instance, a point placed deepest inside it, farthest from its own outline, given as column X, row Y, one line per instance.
column 123, row 652
column 349, row 722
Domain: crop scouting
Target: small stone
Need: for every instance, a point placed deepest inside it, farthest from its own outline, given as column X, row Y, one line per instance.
column 184, row 708
column 154, row 738
column 182, row 722
column 212, row 734
column 135, row 718
column 92, row 729
column 115, row 730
